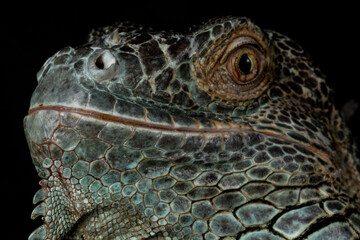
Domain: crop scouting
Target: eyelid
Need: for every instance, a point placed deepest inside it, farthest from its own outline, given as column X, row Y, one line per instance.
column 244, row 40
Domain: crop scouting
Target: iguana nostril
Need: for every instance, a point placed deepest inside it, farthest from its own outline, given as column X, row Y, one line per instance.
column 102, row 65
column 105, row 60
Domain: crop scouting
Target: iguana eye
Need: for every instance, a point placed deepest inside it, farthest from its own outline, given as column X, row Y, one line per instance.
column 245, row 65
column 236, row 68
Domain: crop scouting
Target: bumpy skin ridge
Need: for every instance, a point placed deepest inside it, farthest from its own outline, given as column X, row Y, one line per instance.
column 136, row 135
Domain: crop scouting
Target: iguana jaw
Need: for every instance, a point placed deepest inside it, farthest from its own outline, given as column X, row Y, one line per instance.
column 57, row 192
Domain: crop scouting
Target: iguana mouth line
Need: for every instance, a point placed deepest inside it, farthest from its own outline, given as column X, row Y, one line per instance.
column 139, row 123
column 233, row 128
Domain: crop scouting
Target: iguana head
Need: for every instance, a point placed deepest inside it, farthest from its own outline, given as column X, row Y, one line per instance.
column 227, row 130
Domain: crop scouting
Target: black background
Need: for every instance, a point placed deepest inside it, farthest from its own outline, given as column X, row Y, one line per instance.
column 329, row 33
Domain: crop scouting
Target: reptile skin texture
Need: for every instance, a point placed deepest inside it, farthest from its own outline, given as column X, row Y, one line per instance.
column 227, row 131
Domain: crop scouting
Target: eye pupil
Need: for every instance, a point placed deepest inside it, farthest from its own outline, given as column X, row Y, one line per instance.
column 245, row 64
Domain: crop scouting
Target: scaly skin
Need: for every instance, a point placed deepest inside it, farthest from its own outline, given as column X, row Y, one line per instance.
column 143, row 135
